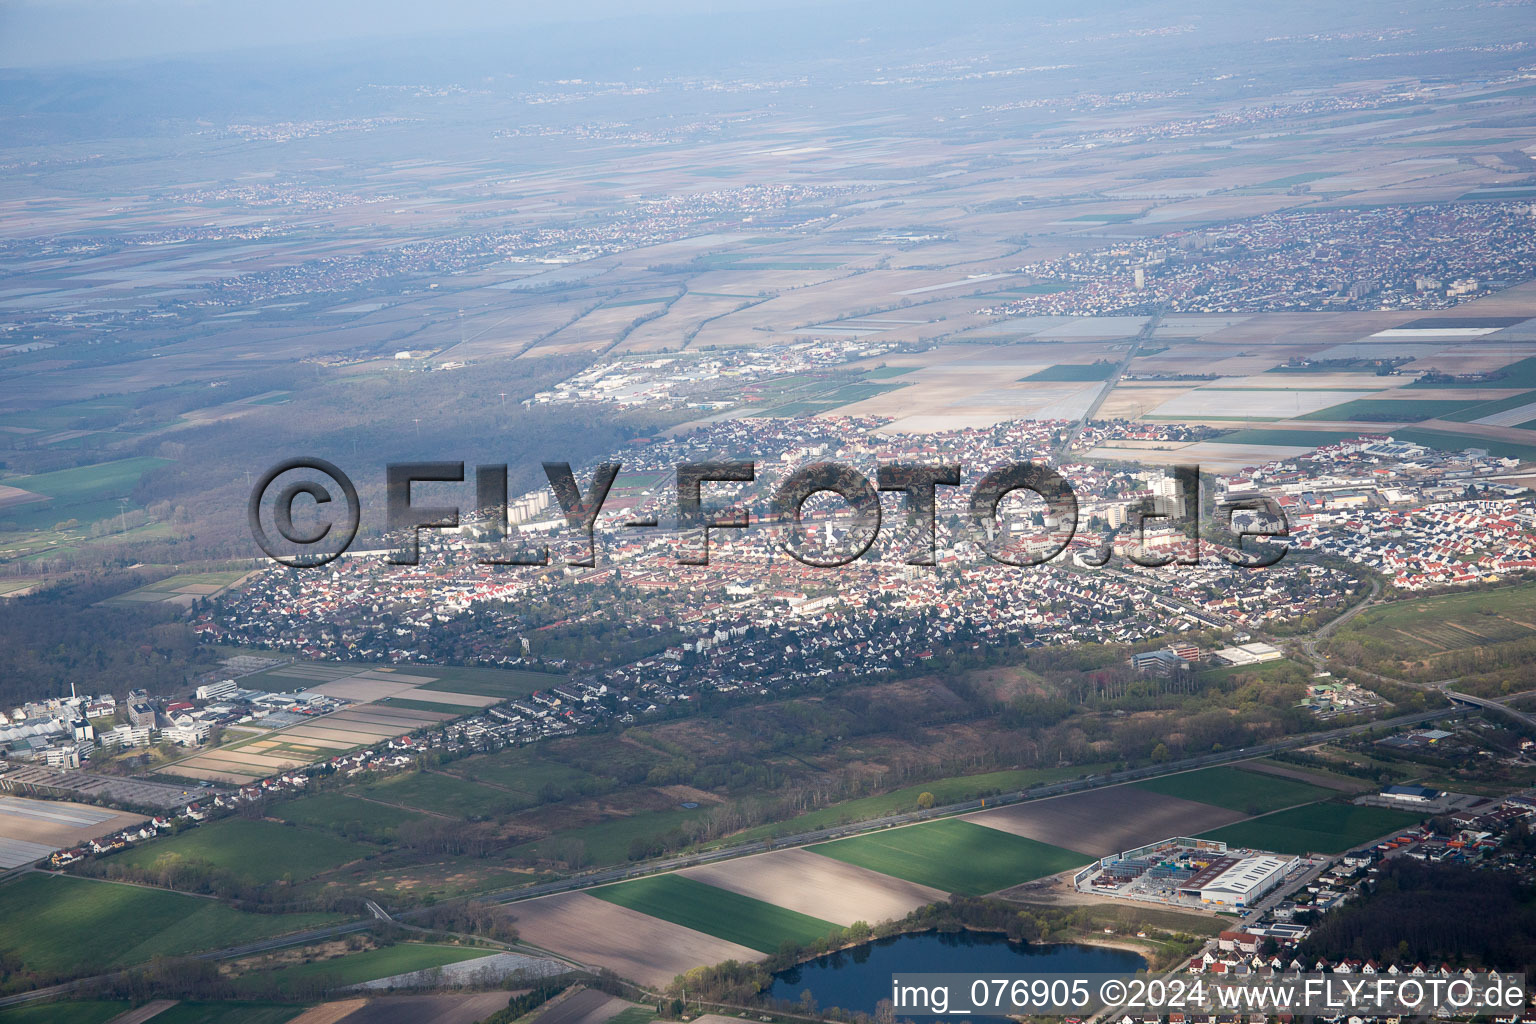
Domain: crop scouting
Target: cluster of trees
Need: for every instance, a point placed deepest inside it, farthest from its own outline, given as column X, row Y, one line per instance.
column 62, row 635
column 525, row 1003
column 471, row 918
column 1416, row 912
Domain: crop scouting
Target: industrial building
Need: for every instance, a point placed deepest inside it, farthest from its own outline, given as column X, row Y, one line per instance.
column 1238, row 881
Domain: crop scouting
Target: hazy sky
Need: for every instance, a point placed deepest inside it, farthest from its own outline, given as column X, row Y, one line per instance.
column 40, row 32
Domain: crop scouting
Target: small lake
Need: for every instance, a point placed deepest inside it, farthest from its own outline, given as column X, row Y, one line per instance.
column 857, row 979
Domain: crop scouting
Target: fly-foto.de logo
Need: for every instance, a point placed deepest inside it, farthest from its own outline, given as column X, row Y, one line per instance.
column 313, row 521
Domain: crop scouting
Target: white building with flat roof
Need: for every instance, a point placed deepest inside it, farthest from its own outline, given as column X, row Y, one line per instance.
column 1244, row 882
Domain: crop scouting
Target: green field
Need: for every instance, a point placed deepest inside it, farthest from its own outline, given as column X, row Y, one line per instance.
column 1456, row 442
column 384, row 962
column 1292, row 438
column 164, row 590
column 945, row 791
column 953, row 855
column 607, row 842
column 257, row 851
column 490, row 682
column 64, row 924
column 1386, row 410
column 86, row 1011
column 1430, row 625
column 1235, row 789
column 334, row 811
column 521, row 769
column 1073, row 372
column 86, row 493
column 1519, row 374
column 1481, row 409
column 1104, row 218
column 443, row 707
column 229, row 1013
column 634, row 1015
column 428, row 791
column 1316, row 828
column 718, row 912
column 1305, row 178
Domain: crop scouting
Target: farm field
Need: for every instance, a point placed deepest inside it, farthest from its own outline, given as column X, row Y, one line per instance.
column 1074, row 372
column 608, row 842
column 634, row 945
column 442, row 794
column 384, row 962
column 1316, row 828
column 953, row 856
column 945, row 791
column 1104, row 821
column 718, row 912
column 334, row 812
column 374, row 717
column 31, row 829
column 1388, row 410
column 64, row 924
column 1426, row 626
column 819, row 886
column 84, row 1011
column 256, row 851
column 85, row 493
column 1235, row 789
column 228, row 1013
column 182, row 589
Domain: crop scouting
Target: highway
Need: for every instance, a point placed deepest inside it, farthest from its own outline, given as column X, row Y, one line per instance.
column 619, row 874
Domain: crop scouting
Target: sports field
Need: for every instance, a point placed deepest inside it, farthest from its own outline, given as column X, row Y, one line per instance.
column 257, row 851
column 718, row 912
column 65, row 924
column 1316, row 828
column 953, row 856
column 1236, row 789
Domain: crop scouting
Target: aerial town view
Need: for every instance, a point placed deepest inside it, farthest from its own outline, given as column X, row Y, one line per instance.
column 633, row 514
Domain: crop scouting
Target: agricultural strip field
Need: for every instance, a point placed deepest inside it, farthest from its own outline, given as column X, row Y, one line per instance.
column 1388, row 410
column 953, row 856
column 1235, row 789
column 384, row 962
column 818, row 886
column 634, row 945
column 1084, row 372
column 65, row 924
column 1105, row 821
column 32, row 829
column 1316, row 828
column 256, row 851
column 945, row 791
column 719, row 912
column 85, row 493
column 228, row 1013
column 84, row 1011
column 1433, row 625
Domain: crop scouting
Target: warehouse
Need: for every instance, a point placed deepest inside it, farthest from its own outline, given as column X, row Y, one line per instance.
column 1238, row 882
